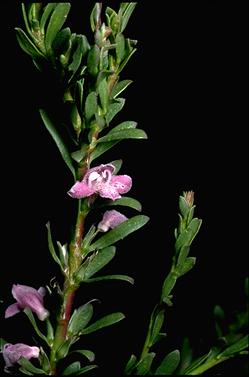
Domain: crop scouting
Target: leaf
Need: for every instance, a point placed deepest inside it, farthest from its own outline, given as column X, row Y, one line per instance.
column 108, row 320
column 117, row 165
column 239, row 346
column 125, row 61
column 95, row 16
column 85, row 369
column 80, row 41
column 2, row 343
column 119, row 87
column 97, row 262
column 63, row 255
column 44, row 361
column 101, row 149
column 64, row 348
column 27, row 45
column 93, row 60
column 157, row 327
column 56, row 22
column 80, row 318
column 62, row 41
column 114, row 108
column 27, row 365
column 103, row 94
column 130, row 365
column 168, row 285
column 71, row 369
column 58, row 141
column 129, row 124
column 123, row 134
column 80, row 153
column 30, row 316
column 50, row 331
column 125, row 201
column 91, row 105
column 111, row 277
column 144, row 365
column 87, row 353
column 182, row 256
column 187, row 236
column 46, row 13
column 187, row 266
column 120, row 232
column 120, row 47
column 51, row 247
column 169, row 364
column 126, row 9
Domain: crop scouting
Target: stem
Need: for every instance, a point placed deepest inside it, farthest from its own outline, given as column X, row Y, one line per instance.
column 70, row 286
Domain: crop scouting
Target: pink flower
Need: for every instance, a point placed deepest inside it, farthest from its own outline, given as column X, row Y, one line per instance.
column 13, row 352
column 27, row 297
column 100, row 180
column 111, row 219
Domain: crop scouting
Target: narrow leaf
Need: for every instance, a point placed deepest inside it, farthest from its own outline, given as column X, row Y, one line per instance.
column 27, row 45
column 125, row 201
column 96, row 263
column 117, row 165
column 30, row 316
column 108, row 320
column 169, row 364
column 119, row 87
column 240, row 345
column 56, row 22
column 127, row 9
column 80, row 319
column 2, row 343
column 27, row 365
column 187, row 236
column 58, row 141
column 120, row 47
column 101, row 149
column 187, row 266
column 71, row 369
column 168, row 285
column 130, row 365
column 129, row 124
column 103, row 94
column 51, row 246
column 114, row 108
column 93, row 60
column 120, row 232
column 144, row 366
column 85, row 369
column 87, row 353
column 91, row 105
column 46, row 13
column 111, row 277
column 123, row 134
column 157, row 327
column 125, row 61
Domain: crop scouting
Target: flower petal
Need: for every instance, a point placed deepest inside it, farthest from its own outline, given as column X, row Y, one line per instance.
column 12, row 310
column 122, row 183
column 13, row 352
column 111, row 219
column 108, row 191
column 80, row 190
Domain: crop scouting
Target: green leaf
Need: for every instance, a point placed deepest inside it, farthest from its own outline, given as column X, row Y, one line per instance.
column 87, row 353
column 51, row 246
column 63, row 255
column 80, row 153
column 71, row 369
column 187, row 236
column 50, row 331
column 27, row 365
column 2, row 343
column 144, row 365
column 130, row 365
column 101, row 149
column 85, row 369
column 93, row 60
column 125, row 201
column 169, row 364
column 30, row 316
column 80, row 318
column 126, row 10
column 95, row 17
column 112, row 277
column 27, row 45
column 80, row 51
column 89, row 237
column 58, row 141
column 123, row 134
column 125, row 61
column 157, row 327
column 91, row 105
column 44, row 361
column 56, row 22
column 114, row 108
column 239, row 346
column 103, row 94
column 187, row 266
column 96, row 263
column 119, row 87
column 168, row 285
column 182, row 256
column 64, row 348
column 120, row 232
column 120, row 47
column 108, row 320
column 46, row 13
column 127, row 125
column 62, row 41
column 117, row 165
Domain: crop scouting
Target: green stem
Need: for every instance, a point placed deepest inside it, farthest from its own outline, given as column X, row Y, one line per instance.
column 70, row 286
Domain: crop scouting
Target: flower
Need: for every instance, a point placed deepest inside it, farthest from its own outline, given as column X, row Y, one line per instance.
column 100, row 180
column 13, row 352
column 27, row 297
column 111, row 219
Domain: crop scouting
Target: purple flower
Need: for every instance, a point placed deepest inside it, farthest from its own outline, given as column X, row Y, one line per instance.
column 111, row 219
column 27, row 297
column 100, row 180
column 13, row 352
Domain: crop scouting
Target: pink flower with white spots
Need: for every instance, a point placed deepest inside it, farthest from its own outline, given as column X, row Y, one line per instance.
column 13, row 352
column 100, row 180
column 111, row 219
column 27, row 297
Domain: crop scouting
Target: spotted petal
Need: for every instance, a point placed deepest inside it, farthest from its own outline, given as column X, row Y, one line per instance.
column 80, row 190
column 122, row 183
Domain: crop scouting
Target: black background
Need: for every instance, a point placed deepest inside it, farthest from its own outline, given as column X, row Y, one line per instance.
column 190, row 95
